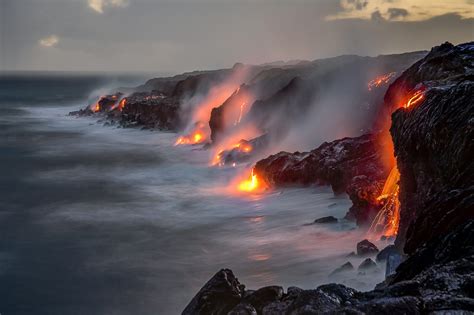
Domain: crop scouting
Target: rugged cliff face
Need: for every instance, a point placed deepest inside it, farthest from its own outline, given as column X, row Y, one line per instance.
column 433, row 141
column 434, row 144
column 351, row 165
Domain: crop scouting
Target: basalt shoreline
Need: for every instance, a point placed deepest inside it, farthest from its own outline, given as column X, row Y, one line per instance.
column 430, row 268
column 435, row 240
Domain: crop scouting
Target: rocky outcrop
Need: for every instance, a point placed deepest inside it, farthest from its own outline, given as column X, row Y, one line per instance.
column 434, row 144
column 443, row 285
column 151, row 111
column 351, row 165
column 245, row 151
column 218, row 296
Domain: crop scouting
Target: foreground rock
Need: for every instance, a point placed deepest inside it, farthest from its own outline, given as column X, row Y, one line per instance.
column 218, row 296
column 443, row 285
column 351, row 165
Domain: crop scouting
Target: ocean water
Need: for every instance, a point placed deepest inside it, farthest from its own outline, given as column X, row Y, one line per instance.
column 104, row 220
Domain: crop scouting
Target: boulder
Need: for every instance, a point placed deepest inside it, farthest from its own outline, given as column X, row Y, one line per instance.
column 344, row 268
column 367, row 264
column 325, row 220
column 366, row 248
column 218, row 296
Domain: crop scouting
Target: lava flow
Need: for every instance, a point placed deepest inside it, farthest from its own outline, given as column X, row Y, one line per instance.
column 380, row 80
column 251, row 184
column 387, row 220
column 199, row 134
column 415, row 98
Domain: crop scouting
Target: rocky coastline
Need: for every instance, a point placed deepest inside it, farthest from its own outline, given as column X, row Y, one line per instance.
column 433, row 148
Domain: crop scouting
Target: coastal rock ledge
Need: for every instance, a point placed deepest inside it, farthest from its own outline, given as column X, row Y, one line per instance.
column 434, row 151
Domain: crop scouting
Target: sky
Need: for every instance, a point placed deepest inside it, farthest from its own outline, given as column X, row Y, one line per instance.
column 182, row 35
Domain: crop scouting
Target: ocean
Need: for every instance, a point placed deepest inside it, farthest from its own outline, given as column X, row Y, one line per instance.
column 97, row 219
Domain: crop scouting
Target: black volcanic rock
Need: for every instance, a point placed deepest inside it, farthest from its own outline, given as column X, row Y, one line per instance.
column 351, row 165
column 367, row 264
column 434, row 144
column 240, row 155
column 387, row 251
column 325, row 220
column 263, row 296
column 218, row 296
column 345, row 267
column 151, row 111
column 366, row 248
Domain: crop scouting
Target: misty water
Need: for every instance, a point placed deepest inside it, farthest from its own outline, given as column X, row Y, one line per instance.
column 104, row 220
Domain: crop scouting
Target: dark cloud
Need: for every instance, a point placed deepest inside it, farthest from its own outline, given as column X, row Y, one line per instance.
column 395, row 13
column 175, row 36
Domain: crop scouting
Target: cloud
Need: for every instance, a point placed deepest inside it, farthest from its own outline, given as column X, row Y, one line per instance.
column 49, row 41
column 395, row 13
column 419, row 10
column 99, row 5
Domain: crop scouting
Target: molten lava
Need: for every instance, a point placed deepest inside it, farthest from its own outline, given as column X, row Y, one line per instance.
column 95, row 107
column 415, row 98
column 250, row 184
column 194, row 138
column 387, row 220
column 122, row 104
column 380, row 80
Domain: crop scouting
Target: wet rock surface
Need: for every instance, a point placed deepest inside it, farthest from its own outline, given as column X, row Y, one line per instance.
column 326, row 220
column 366, row 248
column 351, row 165
column 443, row 285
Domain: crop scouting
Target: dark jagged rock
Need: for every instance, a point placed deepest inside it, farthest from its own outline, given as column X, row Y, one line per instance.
column 264, row 296
column 366, row 248
column 345, row 267
column 351, row 165
column 325, row 220
column 384, row 253
column 433, row 144
column 243, row 309
column 154, row 112
column 218, row 296
column 245, row 151
column 367, row 264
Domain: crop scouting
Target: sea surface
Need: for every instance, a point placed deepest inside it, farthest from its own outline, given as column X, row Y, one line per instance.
column 103, row 220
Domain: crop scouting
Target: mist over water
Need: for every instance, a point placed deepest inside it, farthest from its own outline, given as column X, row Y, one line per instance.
column 103, row 220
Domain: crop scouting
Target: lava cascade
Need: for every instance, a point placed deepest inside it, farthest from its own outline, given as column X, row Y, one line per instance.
column 387, row 220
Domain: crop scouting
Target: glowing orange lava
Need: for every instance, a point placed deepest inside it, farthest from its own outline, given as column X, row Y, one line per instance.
column 95, row 107
column 416, row 98
column 250, row 184
column 387, row 220
column 122, row 104
column 195, row 138
column 380, row 80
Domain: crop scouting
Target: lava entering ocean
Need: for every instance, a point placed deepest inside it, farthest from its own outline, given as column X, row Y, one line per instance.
column 251, row 183
column 198, row 135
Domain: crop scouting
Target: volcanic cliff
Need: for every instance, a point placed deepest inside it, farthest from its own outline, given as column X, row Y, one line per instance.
column 433, row 146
